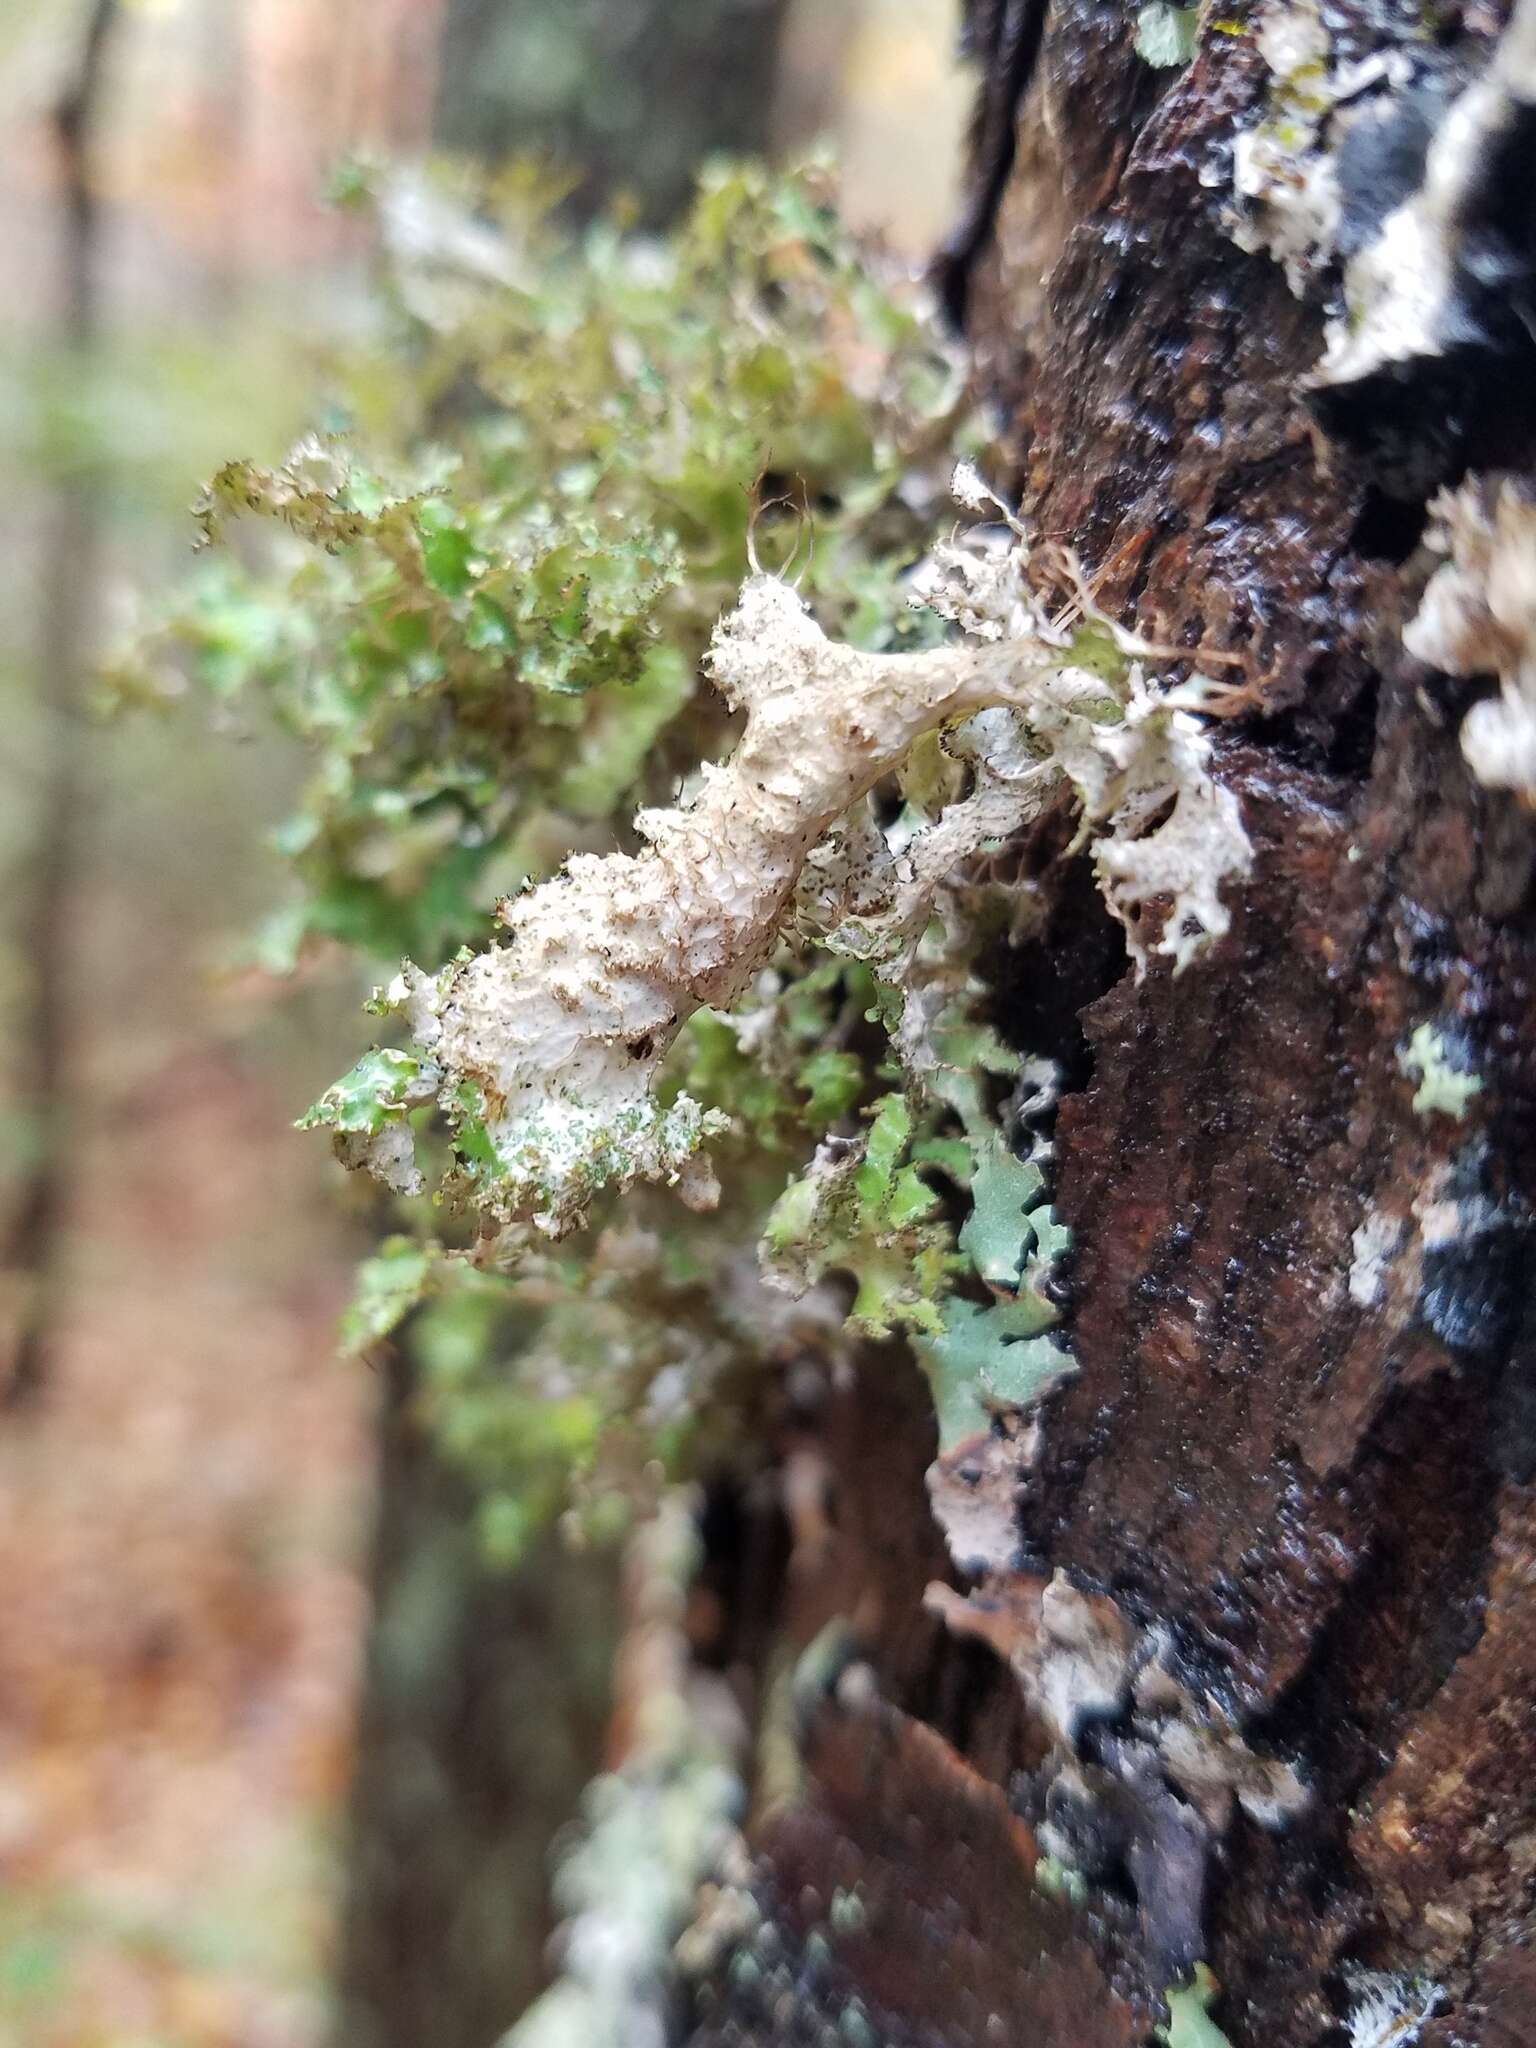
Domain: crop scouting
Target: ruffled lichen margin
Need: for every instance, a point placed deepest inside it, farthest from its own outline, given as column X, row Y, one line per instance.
column 546, row 1052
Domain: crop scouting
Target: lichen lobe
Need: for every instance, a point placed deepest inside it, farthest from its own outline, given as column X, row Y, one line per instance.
column 552, row 1044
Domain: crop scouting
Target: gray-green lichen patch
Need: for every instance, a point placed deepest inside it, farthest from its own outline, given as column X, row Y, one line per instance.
column 1189, row 2020
column 1167, row 36
column 1440, row 1064
column 987, row 1360
column 870, row 1207
column 653, row 1830
column 1059, row 1880
column 991, row 1363
column 864, row 1208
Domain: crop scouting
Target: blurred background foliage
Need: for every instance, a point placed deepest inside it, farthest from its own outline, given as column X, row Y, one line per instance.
column 185, row 1511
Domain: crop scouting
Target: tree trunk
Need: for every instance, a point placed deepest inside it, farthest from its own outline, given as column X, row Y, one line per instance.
column 629, row 97
column 1250, row 1718
column 483, row 1709
column 69, row 577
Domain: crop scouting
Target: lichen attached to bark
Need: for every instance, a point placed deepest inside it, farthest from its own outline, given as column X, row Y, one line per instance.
column 1478, row 617
column 551, row 1046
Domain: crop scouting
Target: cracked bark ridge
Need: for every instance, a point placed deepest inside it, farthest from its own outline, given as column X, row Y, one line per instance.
column 1301, row 1436
column 1165, row 426
column 895, row 1904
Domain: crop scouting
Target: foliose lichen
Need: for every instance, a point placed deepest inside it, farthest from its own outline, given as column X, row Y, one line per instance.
column 1446, row 1082
column 558, row 1037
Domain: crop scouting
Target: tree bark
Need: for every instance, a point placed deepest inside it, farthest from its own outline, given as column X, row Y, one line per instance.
column 69, row 577
column 1288, row 1494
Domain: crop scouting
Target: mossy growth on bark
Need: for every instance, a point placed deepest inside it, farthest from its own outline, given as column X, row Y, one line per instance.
column 734, row 822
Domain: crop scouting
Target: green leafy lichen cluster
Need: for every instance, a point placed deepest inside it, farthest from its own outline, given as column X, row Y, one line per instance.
column 1167, row 36
column 968, row 1296
column 1189, row 2021
column 482, row 598
column 489, row 586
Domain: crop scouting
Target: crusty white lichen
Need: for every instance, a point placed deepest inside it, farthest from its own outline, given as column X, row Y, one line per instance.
column 1388, row 2011
column 1280, row 167
column 1375, row 1243
column 550, row 1046
column 1478, row 617
column 1079, row 1659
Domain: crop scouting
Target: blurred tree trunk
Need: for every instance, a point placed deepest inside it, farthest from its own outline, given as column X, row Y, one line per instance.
column 629, row 94
column 69, row 577
column 1291, row 1484
column 483, row 1709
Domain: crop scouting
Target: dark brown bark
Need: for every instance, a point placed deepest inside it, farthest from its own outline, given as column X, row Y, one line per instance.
column 71, row 563
column 1321, row 1504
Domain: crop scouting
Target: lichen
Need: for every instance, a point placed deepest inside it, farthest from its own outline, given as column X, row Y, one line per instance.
column 481, row 605
column 1070, row 1652
column 1166, row 36
column 1474, row 1239
column 1189, row 2021
column 1478, row 617
column 1446, row 1083
column 1401, row 288
column 653, row 1829
column 1374, row 1243
column 1181, row 1762
column 558, row 1037
column 1388, row 2011
column 490, row 624
column 1280, row 167
column 367, row 1113
column 864, row 1208
column 390, row 1283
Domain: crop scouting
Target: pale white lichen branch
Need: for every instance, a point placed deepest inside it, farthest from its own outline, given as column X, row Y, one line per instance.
column 1388, row 2011
column 552, row 1043
column 1478, row 617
